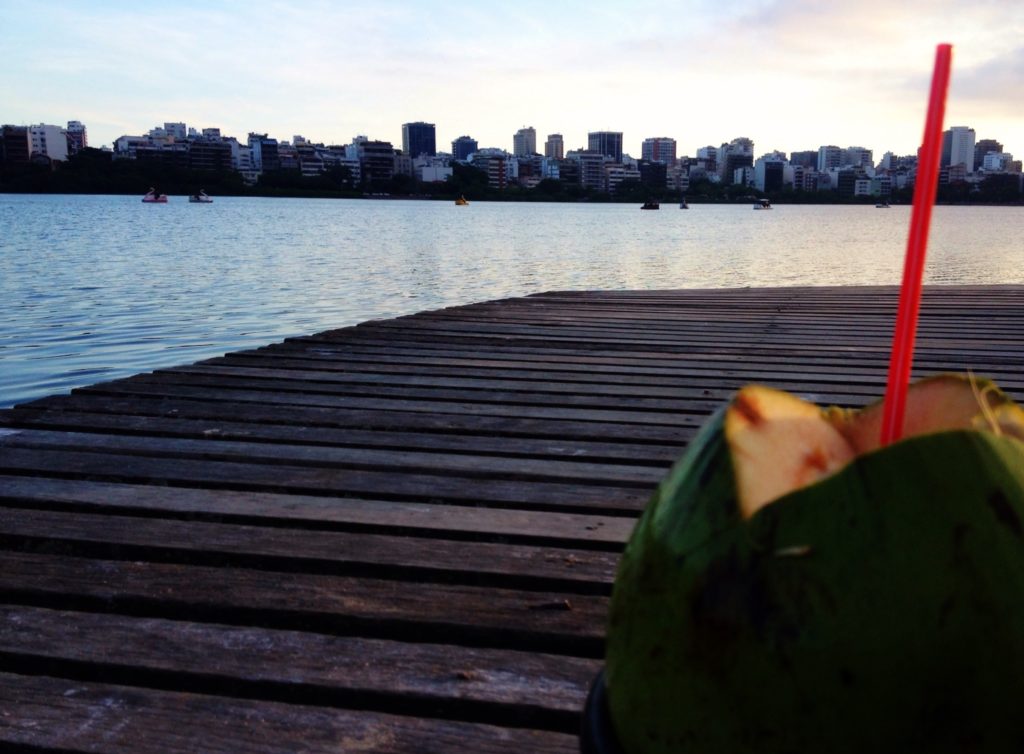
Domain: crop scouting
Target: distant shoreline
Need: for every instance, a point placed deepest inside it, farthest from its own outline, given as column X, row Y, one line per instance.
column 527, row 199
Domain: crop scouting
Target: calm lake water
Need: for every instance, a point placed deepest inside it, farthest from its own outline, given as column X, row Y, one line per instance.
column 98, row 287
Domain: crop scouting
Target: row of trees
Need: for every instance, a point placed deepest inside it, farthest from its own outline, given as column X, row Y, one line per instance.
column 92, row 171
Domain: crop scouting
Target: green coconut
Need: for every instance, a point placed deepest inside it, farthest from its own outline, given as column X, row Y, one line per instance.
column 792, row 587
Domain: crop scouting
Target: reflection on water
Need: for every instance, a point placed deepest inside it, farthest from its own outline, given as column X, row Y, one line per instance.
column 101, row 287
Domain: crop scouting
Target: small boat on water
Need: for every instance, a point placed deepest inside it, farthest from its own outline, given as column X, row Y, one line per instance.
column 462, row 202
column 882, row 205
column 651, row 204
column 152, row 197
column 201, row 198
column 762, row 204
column 683, row 204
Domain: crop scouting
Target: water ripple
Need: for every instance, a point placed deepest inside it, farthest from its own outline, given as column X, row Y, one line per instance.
column 106, row 286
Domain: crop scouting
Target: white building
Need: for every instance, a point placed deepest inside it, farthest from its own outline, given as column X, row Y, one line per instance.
column 678, row 178
column 242, row 160
column 432, row 169
column 857, row 157
column 707, row 153
column 615, row 173
column 997, row 162
column 51, row 141
column 743, row 176
column 961, row 147
column 829, row 156
column 176, row 131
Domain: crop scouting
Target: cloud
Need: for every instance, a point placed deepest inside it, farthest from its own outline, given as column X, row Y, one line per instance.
column 788, row 74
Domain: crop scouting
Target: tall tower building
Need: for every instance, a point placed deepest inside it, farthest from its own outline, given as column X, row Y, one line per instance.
column 659, row 149
column 608, row 143
column 78, row 139
column 418, row 138
column 554, row 147
column 829, row 156
column 524, row 143
column 463, row 147
column 961, row 147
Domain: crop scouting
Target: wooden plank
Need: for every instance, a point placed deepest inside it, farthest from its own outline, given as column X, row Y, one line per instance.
column 548, row 621
column 283, row 391
column 369, row 419
column 442, row 488
column 496, row 353
column 841, row 332
column 433, row 680
column 55, row 714
column 581, row 413
column 183, row 426
column 267, row 547
column 418, row 516
column 218, row 449
column 563, row 530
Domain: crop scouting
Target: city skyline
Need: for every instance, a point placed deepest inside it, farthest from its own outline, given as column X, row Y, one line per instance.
column 790, row 77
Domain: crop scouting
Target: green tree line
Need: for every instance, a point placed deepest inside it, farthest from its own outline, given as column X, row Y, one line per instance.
column 92, row 171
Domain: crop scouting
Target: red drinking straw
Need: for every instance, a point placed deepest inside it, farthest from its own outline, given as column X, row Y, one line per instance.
column 913, row 269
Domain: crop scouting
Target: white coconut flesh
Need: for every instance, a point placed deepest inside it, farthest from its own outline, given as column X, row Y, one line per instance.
column 780, row 443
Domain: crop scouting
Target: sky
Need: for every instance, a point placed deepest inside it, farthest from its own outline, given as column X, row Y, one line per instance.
column 791, row 75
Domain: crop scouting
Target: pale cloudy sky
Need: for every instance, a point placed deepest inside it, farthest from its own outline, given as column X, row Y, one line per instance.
column 790, row 74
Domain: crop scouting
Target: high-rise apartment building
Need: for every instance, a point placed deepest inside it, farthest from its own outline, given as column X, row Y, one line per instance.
column 15, row 144
column 961, row 147
column 524, row 143
column 659, row 149
column 554, row 147
column 608, row 143
column 265, row 154
column 829, row 156
column 996, row 162
column 983, row 147
column 805, row 159
column 769, row 172
column 706, row 160
column 463, row 147
column 857, row 157
column 77, row 137
column 738, row 153
column 418, row 139
column 591, row 168
column 376, row 159
column 51, row 141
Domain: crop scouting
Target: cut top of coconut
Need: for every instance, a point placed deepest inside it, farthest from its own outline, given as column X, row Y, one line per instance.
column 780, row 443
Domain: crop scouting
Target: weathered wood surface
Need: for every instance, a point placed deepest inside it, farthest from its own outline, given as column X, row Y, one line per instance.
column 394, row 537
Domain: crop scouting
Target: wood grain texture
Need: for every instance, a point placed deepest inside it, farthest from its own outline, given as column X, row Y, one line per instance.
column 399, row 536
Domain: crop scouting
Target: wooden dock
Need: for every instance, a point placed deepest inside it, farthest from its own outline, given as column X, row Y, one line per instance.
column 394, row 537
